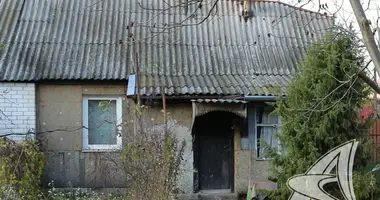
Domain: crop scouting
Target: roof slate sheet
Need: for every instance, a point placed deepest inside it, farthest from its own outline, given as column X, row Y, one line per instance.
column 89, row 40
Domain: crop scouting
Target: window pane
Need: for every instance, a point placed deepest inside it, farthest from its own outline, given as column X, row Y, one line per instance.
column 267, row 135
column 263, row 116
column 269, row 119
column 102, row 122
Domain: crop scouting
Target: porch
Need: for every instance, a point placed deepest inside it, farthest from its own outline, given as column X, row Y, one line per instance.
column 227, row 154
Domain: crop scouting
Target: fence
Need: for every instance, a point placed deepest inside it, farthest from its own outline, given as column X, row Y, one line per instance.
column 374, row 134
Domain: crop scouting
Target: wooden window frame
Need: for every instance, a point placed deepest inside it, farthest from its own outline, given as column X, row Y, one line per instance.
column 252, row 130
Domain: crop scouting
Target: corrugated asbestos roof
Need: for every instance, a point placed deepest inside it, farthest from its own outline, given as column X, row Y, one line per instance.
column 88, row 40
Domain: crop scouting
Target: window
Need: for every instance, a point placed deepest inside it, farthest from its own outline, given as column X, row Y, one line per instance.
column 266, row 130
column 102, row 117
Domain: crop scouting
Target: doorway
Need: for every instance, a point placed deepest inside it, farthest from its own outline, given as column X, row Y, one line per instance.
column 214, row 151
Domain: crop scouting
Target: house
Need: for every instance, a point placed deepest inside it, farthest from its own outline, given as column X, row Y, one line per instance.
column 59, row 59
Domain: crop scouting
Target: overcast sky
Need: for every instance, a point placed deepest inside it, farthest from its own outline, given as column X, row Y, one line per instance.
column 340, row 8
column 343, row 12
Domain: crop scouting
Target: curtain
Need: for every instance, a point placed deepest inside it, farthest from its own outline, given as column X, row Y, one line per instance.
column 102, row 122
column 267, row 131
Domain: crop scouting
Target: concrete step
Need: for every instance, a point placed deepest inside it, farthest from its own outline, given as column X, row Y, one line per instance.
column 217, row 195
column 209, row 197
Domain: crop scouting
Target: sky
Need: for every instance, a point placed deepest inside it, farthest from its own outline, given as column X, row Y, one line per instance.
column 343, row 13
column 340, row 8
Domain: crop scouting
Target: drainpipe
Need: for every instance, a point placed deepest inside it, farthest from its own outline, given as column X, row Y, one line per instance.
column 247, row 12
column 261, row 98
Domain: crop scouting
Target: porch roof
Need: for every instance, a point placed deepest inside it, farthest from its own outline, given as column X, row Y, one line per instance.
column 203, row 106
column 218, row 101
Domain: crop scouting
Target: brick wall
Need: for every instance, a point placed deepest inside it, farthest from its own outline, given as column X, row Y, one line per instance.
column 17, row 109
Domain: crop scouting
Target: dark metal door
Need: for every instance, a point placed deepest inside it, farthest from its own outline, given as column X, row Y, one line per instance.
column 215, row 161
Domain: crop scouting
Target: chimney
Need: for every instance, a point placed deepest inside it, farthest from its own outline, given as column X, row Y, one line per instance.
column 247, row 11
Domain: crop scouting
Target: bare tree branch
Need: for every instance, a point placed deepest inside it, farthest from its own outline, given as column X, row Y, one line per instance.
column 368, row 38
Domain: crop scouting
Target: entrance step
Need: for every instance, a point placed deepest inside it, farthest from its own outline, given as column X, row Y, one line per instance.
column 210, row 195
column 217, row 195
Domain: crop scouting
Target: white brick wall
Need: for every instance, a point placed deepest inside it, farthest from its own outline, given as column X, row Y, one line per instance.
column 17, row 109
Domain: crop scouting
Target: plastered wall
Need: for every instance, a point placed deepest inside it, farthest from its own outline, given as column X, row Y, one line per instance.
column 179, row 122
column 60, row 122
column 60, row 117
column 248, row 169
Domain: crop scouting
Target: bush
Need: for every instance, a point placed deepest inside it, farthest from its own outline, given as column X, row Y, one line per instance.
column 365, row 185
column 21, row 166
column 152, row 161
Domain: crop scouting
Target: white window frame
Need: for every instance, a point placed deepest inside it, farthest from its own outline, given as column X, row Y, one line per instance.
column 87, row 146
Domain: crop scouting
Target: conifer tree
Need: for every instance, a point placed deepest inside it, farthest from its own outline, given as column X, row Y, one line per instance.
column 321, row 109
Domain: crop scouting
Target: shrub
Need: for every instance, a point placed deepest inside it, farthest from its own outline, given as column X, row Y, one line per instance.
column 21, row 166
column 152, row 161
column 365, row 185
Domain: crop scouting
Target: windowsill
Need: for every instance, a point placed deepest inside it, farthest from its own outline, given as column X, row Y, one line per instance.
column 262, row 159
column 100, row 150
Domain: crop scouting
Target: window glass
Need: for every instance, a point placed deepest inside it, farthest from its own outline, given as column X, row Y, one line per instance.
column 102, row 122
column 266, row 131
column 268, row 135
column 264, row 116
